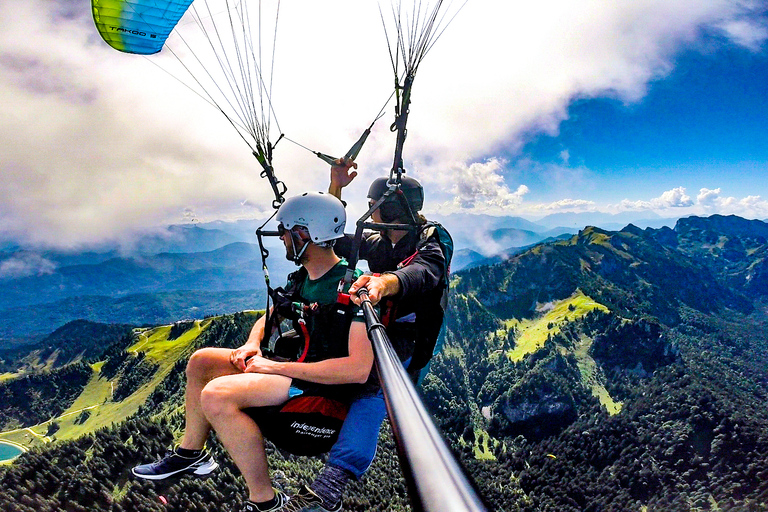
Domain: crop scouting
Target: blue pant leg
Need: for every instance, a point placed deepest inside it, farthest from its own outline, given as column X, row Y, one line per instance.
column 356, row 446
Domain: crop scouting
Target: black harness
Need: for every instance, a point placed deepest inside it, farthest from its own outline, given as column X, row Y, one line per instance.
column 316, row 328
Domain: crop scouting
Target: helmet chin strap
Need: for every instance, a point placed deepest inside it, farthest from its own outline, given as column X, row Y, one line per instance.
column 294, row 239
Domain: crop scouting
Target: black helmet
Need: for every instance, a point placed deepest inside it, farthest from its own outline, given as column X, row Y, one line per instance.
column 392, row 209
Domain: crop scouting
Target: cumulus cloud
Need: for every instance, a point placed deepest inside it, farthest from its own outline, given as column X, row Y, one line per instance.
column 709, row 198
column 98, row 144
column 480, row 187
column 712, row 201
column 675, row 198
column 707, row 202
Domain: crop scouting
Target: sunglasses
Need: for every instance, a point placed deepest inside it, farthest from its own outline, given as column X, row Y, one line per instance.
column 281, row 230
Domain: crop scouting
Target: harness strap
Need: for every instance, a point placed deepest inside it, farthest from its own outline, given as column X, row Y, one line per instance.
column 305, row 336
column 407, row 261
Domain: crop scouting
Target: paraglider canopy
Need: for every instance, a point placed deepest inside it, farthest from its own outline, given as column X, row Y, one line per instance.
column 138, row 26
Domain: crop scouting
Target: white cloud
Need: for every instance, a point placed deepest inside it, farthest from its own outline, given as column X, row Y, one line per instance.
column 707, row 202
column 25, row 264
column 480, row 187
column 567, row 205
column 711, row 202
column 709, row 199
column 748, row 33
column 675, row 198
column 98, row 144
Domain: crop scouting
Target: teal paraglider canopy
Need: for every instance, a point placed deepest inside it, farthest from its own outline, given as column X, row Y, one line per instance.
column 137, row 26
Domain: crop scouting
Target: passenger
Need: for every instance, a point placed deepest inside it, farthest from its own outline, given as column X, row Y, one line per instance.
column 410, row 267
column 223, row 385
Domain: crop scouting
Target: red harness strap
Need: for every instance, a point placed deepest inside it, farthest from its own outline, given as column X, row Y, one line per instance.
column 407, row 261
column 305, row 336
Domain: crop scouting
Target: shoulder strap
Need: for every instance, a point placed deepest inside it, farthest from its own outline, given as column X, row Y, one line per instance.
column 283, row 300
column 296, row 281
column 436, row 230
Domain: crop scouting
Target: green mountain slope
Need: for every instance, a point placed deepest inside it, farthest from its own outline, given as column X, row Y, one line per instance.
column 614, row 371
column 76, row 340
column 81, row 398
column 129, row 412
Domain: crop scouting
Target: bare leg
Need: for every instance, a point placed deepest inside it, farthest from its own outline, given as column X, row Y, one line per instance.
column 222, row 401
column 204, row 365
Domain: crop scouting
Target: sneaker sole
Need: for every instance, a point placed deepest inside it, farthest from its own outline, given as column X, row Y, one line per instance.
column 200, row 472
column 206, row 469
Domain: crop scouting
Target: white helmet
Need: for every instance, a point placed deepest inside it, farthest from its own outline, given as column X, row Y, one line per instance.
column 322, row 214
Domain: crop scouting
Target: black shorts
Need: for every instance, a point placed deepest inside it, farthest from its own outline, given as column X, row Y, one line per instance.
column 304, row 425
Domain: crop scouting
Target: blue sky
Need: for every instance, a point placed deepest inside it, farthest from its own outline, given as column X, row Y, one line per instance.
column 703, row 125
column 520, row 109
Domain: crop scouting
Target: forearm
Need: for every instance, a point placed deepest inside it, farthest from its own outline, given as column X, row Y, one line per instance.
column 334, row 190
column 423, row 274
column 351, row 369
column 256, row 334
column 342, row 370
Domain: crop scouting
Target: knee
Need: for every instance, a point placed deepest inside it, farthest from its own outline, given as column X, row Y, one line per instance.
column 200, row 364
column 216, row 401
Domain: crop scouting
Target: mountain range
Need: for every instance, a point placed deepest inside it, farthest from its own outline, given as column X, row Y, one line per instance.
column 638, row 375
column 612, row 370
column 179, row 272
column 46, row 290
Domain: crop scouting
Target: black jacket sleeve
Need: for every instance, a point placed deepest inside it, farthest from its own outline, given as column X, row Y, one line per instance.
column 343, row 246
column 425, row 273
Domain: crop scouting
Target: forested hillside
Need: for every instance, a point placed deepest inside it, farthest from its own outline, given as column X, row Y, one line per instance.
column 76, row 340
column 615, row 371
column 92, row 471
column 612, row 371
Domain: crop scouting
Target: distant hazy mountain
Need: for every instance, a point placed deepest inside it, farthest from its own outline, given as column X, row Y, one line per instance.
column 234, row 267
column 605, row 220
column 487, row 221
column 478, row 232
column 160, row 288
column 473, row 231
column 516, row 238
column 171, row 239
column 464, row 258
column 184, row 239
column 29, row 323
column 469, row 259
column 242, row 230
